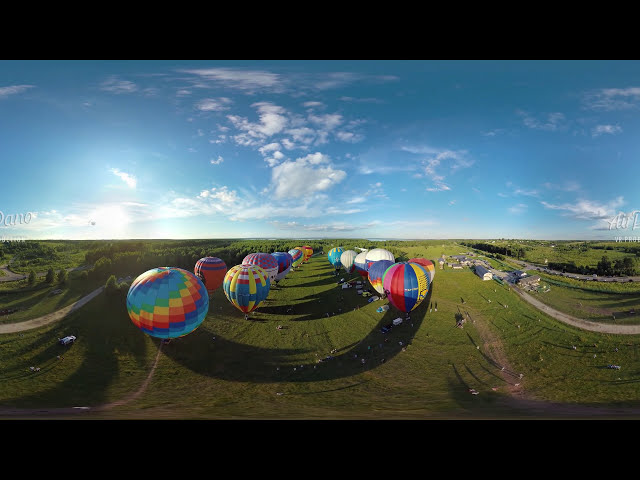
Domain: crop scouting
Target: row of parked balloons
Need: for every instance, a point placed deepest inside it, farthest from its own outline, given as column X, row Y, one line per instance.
column 170, row 302
column 405, row 284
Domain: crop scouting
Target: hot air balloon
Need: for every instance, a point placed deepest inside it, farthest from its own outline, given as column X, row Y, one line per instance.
column 284, row 264
column 334, row 257
column 308, row 251
column 378, row 254
column 167, row 302
column 346, row 259
column 406, row 285
column 211, row 271
column 246, row 286
column 359, row 262
column 428, row 266
column 266, row 261
column 376, row 272
column 297, row 255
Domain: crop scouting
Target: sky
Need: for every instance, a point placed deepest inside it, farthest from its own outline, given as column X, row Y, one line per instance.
column 319, row 149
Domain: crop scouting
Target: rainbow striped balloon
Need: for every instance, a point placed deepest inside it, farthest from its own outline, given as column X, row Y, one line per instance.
column 427, row 264
column 266, row 261
column 406, row 285
column 211, row 270
column 297, row 255
column 376, row 273
column 167, row 302
column 246, row 286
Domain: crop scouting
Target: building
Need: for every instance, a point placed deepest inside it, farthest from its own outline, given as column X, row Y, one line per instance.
column 531, row 280
column 441, row 263
column 456, row 266
column 483, row 273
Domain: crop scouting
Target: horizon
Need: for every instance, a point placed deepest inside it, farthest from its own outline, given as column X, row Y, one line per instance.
column 393, row 150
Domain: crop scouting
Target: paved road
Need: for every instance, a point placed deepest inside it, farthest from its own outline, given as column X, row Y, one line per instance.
column 50, row 317
column 578, row 322
column 528, row 266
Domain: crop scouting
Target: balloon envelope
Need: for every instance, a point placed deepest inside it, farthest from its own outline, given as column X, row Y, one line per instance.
column 346, row 259
column 284, row 264
column 376, row 272
column 246, row 286
column 266, row 261
column 379, row 254
column 334, row 256
column 211, row 270
column 406, row 285
column 428, row 266
column 297, row 255
column 307, row 251
column 167, row 302
column 359, row 262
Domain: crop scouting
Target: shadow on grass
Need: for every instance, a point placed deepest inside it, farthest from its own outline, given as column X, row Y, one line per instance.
column 229, row 360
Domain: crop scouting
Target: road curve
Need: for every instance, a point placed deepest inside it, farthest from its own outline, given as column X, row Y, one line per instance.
column 49, row 317
column 578, row 322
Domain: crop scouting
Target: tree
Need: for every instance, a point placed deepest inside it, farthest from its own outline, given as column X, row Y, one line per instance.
column 51, row 275
column 62, row 276
column 32, row 277
column 111, row 287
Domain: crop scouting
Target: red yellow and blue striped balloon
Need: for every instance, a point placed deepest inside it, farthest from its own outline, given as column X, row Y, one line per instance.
column 297, row 255
column 284, row 260
column 406, row 285
column 376, row 273
column 246, row 286
column 266, row 261
column 428, row 266
column 211, row 270
column 167, row 302
column 334, row 256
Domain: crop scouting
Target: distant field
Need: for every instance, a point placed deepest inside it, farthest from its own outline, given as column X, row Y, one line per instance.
column 240, row 373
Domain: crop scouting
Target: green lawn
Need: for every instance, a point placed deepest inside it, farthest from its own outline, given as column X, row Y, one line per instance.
column 240, row 373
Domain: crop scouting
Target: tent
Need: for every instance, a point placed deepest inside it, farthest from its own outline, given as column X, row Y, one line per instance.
column 382, row 309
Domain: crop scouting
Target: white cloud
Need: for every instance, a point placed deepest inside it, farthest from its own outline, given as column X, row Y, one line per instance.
column 587, row 209
column 361, row 100
column 130, row 180
column 213, row 104
column 439, row 187
column 356, row 200
column 518, row 209
column 567, row 186
column 183, row 92
column 494, row 132
column 313, row 104
column 452, row 202
column 114, row 85
column 271, row 147
column 13, row 90
column 216, row 161
column 613, row 98
column 327, row 122
column 554, row 121
column 240, row 79
column 349, row 137
column 602, row 129
column 305, row 176
column 272, row 121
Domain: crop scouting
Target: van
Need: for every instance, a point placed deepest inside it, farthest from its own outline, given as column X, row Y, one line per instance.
column 69, row 339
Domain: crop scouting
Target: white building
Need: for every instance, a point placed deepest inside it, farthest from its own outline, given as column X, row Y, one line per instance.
column 483, row 273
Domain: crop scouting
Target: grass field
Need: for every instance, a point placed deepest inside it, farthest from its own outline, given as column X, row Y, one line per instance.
column 241, row 372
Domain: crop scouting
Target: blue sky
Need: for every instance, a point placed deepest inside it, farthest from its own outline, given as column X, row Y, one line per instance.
column 306, row 149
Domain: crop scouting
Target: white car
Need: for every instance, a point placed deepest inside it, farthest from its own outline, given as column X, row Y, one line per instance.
column 67, row 340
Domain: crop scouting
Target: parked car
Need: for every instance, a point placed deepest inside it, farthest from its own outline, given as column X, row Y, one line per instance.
column 68, row 340
column 386, row 328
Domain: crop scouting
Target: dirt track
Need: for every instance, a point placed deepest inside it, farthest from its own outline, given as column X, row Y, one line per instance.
column 50, row 317
column 577, row 322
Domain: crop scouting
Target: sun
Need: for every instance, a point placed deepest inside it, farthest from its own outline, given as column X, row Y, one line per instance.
column 110, row 220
